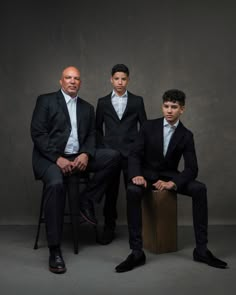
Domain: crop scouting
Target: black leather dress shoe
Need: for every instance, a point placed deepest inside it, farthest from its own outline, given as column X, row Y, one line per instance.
column 209, row 259
column 131, row 262
column 107, row 236
column 88, row 215
column 56, row 263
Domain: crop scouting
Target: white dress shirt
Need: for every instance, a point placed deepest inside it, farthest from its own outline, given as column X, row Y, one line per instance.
column 119, row 103
column 168, row 131
column 72, row 146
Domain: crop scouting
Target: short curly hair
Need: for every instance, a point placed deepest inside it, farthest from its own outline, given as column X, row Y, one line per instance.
column 120, row 68
column 174, row 95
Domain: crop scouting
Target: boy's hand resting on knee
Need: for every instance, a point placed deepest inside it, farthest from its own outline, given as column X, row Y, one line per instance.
column 139, row 180
column 164, row 185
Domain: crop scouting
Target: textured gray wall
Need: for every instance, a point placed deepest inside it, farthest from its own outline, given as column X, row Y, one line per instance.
column 190, row 45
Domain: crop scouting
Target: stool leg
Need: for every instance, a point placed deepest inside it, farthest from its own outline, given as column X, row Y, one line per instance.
column 39, row 221
column 73, row 201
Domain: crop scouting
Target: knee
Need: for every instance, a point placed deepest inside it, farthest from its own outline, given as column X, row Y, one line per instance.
column 200, row 190
column 54, row 185
column 113, row 157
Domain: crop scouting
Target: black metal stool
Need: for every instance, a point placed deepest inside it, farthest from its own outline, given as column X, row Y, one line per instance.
column 73, row 184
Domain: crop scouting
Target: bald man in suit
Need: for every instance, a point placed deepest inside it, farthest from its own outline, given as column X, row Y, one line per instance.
column 63, row 133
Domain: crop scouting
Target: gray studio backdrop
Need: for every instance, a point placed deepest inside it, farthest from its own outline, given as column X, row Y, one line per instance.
column 188, row 45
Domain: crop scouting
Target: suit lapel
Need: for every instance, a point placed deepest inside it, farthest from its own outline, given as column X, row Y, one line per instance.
column 158, row 136
column 129, row 103
column 79, row 113
column 62, row 103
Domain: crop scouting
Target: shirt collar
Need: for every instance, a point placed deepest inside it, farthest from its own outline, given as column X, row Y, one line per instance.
column 68, row 97
column 125, row 95
column 165, row 123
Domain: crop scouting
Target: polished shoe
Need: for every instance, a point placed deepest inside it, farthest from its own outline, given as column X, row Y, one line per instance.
column 56, row 262
column 88, row 215
column 209, row 259
column 131, row 262
column 107, row 236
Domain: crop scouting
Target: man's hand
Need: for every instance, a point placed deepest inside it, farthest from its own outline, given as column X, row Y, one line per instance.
column 139, row 180
column 164, row 185
column 65, row 165
column 81, row 162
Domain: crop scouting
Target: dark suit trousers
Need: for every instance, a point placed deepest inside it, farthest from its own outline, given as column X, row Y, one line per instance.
column 194, row 189
column 102, row 166
column 112, row 191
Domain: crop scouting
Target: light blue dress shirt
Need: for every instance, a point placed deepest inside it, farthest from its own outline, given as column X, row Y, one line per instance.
column 119, row 103
column 72, row 146
column 168, row 131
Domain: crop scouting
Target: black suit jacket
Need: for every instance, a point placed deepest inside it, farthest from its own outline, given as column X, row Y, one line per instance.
column 113, row 132
column 51, row 127
column 146, row 158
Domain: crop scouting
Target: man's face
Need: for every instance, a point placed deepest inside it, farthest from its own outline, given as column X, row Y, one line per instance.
column 172, row 111
column 119, row 82
column 70, row 81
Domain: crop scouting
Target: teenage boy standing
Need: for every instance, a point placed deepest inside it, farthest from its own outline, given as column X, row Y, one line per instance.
column 118, row 117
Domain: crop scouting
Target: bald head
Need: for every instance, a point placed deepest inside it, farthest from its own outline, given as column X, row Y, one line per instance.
column 70, row 81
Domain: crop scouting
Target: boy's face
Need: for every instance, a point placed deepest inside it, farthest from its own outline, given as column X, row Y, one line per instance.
column 119, row 82
column 172, row 111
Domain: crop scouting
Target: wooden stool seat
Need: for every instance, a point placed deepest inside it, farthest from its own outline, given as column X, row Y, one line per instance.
column 159, row 213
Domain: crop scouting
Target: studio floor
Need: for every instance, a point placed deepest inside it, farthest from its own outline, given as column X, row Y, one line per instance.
column 25, row 271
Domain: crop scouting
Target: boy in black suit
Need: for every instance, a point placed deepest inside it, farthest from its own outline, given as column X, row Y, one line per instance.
column 118, row 117
column 153, row 163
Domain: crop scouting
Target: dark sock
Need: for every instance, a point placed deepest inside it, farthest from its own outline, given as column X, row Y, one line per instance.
column 109, row 227
column 53, row 249
column 137, row 253
column 202, row 250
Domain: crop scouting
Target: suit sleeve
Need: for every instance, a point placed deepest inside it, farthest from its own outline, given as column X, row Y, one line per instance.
column 136, row 155
column 99, row 124
column 88, row 145
column 40, row 130
column 142, row 113
column 190, row 170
